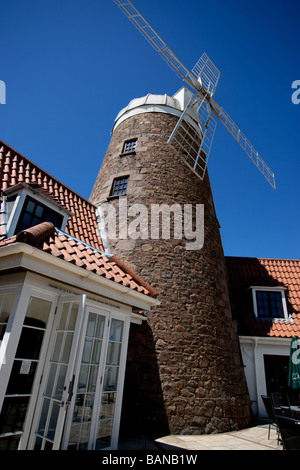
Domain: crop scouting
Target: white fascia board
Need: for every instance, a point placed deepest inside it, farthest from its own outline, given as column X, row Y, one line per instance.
column 38, row 261
column 259, row 340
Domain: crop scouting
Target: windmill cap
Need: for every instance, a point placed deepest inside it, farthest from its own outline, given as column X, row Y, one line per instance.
column 174, row 105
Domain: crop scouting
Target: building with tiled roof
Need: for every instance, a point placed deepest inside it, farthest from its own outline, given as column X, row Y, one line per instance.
column 265, row 297
column 66, row 307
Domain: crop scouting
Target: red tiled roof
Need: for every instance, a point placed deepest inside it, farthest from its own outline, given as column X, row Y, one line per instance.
column 15, row 168
column 80, row 244
column 246, row 272
column 64, row 246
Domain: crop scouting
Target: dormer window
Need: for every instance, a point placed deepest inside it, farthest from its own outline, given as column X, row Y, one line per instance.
column 34, row 213
column 270, row 303
column 26, row 205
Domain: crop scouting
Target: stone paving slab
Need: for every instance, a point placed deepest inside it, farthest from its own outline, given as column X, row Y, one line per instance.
column 255, row 438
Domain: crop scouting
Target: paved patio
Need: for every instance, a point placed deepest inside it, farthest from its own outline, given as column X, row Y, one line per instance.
column 254, row 438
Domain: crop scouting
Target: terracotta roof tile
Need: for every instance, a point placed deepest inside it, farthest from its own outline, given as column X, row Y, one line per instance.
column 80, row 244
column 15, row 168
column 73, row 251
column 246, row 272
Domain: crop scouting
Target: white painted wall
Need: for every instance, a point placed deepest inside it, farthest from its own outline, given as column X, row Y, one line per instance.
column 253, row 349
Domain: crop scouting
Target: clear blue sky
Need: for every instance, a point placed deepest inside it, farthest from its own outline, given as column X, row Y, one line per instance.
column 70, row 65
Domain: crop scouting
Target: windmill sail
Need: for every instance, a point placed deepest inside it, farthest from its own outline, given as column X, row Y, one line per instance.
column 204, row 88
column 208, row 73
column 156, row 42
column 191, row 141
column 244, row 143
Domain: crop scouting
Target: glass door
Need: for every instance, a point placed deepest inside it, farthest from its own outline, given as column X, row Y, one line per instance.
column 95, row 411
column 22, row 384
column 106, row 432
column 58, row 378
column 81, row 393
column 79, row 434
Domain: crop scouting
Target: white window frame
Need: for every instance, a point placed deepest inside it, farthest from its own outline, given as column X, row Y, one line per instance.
column 22, row 191
column 286, row 315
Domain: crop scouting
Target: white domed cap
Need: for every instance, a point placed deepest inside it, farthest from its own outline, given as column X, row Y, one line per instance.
column 160, row 104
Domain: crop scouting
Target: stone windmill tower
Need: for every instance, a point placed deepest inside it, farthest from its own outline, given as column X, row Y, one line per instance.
column 184, row 370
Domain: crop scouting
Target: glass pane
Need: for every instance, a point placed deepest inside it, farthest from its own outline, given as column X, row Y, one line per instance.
column 111, row 379
column 78, row 408
column 67, row 347
column 47, row 445
column 39, row 211
column 35, row 323
column 53, row 420
column 96, row 351
column 74, row 436
column 113, row 354
column 35, row 221
column 84, row 436
column 38, row 443
column 87, row 350
column 6, row 302
column 10, row 443
column 83, row 377
column 21, row 378
column 25, row 222
column 51, row 380
column 13, row 414
column 39, row 310
column 116, row 330
column 30, row 206
column 100, row 326
column 92, row 378
column 73, row 316
column 63, row 317
column 57, row 346
column 30, row 343
column 44, row 415
column 108, row 405
column 91, row 324
column 104, row 434
column 59, row 388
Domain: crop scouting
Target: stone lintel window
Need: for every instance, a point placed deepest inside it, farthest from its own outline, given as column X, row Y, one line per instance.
column 119, row 186
column 129, row 147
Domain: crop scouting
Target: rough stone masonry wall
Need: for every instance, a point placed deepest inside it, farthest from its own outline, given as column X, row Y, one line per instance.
column 184, row 371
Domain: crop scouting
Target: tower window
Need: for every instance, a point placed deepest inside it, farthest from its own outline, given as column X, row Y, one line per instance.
column 119, row 186
column 129, row 146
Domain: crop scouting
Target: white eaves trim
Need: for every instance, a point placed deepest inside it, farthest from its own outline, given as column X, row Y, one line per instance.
column 38, row 261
